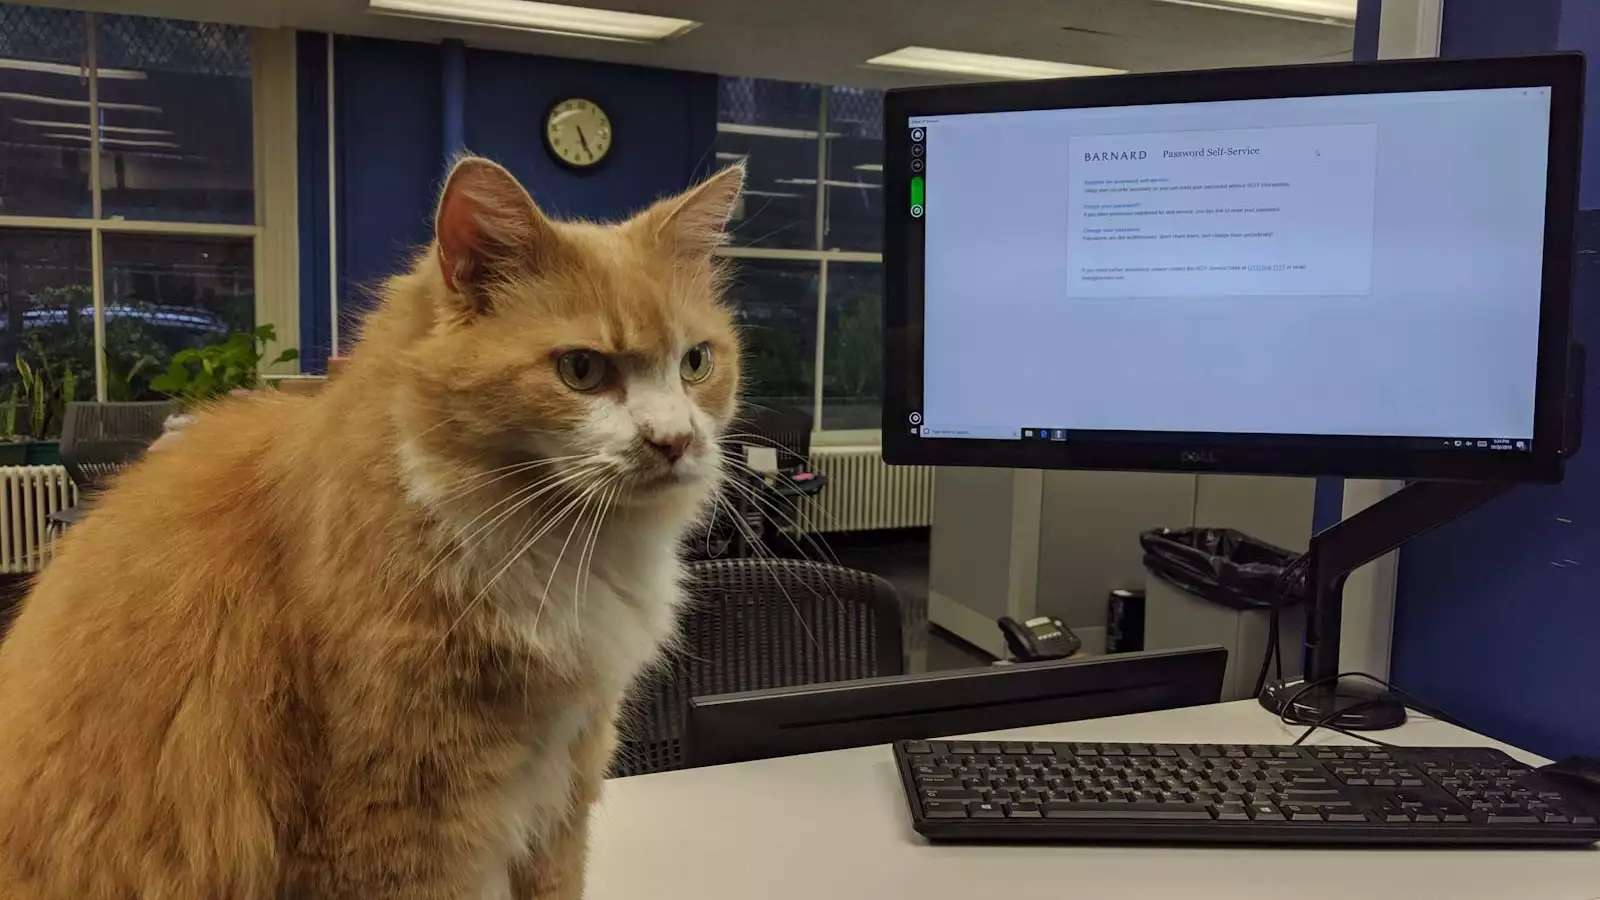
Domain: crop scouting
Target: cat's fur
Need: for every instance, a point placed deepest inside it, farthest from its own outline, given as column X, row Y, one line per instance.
column 295, row 653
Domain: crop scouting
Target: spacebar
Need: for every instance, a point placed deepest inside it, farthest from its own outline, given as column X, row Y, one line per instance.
column 1152, row 811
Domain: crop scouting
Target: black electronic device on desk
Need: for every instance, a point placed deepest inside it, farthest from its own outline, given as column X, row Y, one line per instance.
column 1249, row 271
column 1041, row 637
column 1209, row 793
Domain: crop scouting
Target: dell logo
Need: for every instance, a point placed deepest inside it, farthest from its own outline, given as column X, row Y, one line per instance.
column 1198, row 457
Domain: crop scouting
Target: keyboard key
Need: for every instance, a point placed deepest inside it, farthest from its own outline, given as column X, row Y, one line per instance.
column 1152, row 811
column 1583, row 820
column 1014, row 749
column 1042, row 749
column 1285, row 753
column 1166, row 752
column 1525, row 818
column 1555, row 818
column 1411, row 782
column 1023, row 811
column 986, row 811
column 939, row 747
column 963, row 748
column 1395, row 816
column 1346, row 817
column 1358, row 782
column 951, row 794
column 944, row 810
column 1297, row 812
column 918, row 747
column 989, row 747
column 1455, row 817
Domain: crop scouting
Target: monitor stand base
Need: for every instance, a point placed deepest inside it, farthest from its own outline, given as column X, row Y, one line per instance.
column 1352, row 704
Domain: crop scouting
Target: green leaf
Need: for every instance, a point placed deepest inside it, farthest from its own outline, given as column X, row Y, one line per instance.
column 184, row 357
column 289, row 355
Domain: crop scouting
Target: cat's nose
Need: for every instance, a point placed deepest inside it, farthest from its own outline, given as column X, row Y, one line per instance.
column 671, row 446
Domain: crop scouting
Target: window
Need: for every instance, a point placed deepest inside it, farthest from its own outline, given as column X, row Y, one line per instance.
column 111, row 263
column 807, row 243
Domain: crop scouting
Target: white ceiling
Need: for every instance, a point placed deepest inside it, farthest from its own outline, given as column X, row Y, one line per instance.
column 826, row 40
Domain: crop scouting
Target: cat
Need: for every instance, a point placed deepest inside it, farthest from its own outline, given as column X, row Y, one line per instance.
column 372, row 643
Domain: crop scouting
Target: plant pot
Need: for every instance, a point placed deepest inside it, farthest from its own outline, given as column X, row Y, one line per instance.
column 14, row 453
column 43, row 453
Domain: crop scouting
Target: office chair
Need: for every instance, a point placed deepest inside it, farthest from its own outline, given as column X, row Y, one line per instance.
column 99, row 440
column 752, row 624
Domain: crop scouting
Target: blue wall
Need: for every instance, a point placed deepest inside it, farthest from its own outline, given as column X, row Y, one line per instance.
column 311, row 80
column 1497, row 614
column 397, row 108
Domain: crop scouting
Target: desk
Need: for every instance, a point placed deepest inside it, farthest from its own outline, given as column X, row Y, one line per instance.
column 835, row 825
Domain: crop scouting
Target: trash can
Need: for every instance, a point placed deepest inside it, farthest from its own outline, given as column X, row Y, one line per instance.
column 1221, row 586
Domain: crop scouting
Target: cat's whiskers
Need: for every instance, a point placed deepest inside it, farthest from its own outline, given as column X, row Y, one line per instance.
column 517, row 500
column 586, row 561
column 584, row 493
column 544, row 596
column 760, row 547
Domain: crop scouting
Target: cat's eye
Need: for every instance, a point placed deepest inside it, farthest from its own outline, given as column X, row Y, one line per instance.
column 582, row 370
column 696, row 364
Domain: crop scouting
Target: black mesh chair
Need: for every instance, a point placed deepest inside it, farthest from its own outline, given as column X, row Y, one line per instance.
column 99, row 440
column 753, row 624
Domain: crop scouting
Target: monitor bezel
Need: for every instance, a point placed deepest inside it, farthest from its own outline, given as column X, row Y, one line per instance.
column 1214, row 452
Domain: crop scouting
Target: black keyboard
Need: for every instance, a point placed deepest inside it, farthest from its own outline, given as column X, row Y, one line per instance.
column 1019, row 791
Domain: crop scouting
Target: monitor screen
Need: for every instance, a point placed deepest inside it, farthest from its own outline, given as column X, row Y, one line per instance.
column 1359, row 271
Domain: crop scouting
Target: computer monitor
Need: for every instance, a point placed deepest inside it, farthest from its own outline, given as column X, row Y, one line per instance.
column 726, row 728
column 1355, row 269
column 1352, row 269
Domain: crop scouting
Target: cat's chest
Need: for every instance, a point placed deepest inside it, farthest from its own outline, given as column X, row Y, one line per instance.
column 596, row 619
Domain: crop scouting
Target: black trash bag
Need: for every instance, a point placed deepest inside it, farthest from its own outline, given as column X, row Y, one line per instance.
column 1225, row 566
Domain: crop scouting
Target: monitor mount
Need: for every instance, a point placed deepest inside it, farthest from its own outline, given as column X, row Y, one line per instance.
column 1358, row 704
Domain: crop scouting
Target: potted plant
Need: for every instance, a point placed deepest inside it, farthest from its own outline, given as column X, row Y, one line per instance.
column 47, row 390
column 13, row 446
column 205, row 373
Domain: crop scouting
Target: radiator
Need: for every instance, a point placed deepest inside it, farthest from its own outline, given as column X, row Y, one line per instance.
column 28, row 495
column 864, row 494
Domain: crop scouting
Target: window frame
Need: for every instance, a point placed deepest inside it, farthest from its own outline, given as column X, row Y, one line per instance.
column 273, row 237
column 822, row 256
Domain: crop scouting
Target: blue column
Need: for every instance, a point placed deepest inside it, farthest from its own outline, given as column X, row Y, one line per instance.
column 453, row 80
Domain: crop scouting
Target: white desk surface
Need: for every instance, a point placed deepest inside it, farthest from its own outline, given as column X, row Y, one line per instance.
column 835, row 825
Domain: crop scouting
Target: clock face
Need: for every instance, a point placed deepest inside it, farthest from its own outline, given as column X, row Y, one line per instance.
column 578, row 132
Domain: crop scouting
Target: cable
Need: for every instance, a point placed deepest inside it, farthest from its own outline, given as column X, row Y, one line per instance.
column 1391, row 693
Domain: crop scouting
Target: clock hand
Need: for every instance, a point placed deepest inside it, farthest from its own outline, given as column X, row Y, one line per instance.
column 583, row 140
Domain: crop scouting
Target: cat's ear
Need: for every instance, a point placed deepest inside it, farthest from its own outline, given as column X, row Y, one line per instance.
column 696, row 222
column 487, row 229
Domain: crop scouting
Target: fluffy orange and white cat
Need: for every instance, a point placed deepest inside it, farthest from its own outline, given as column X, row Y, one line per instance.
column 371, row 644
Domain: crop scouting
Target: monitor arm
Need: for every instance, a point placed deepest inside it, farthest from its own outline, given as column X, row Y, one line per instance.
column 1335, row 552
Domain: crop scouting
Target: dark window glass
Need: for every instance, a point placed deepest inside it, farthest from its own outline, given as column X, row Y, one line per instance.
column 854, row 209
column 852, row 355
column 44, row 113
column 164, row 294
column 772, row 125
column 176, row 123
column 777, row 305
column 47, row 321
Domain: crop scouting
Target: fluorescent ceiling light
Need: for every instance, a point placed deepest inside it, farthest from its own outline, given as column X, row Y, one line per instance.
column 50, row 68
column 831, row 182
column 75, row 104
column 549, row 18
column 104, row 142
column 869, row 167
column 772, row 131
column 779, row 194
column 1321, row 12
column 119, row 129
column 731, row 157
column 928, row 59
